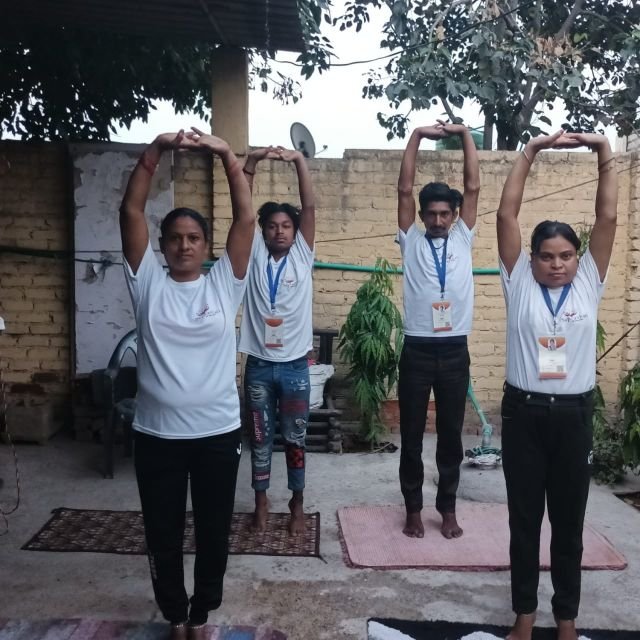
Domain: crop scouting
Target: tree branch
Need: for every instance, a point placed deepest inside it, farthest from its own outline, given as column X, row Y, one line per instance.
column 509, row 20
column 443, row 14
column 527, row 110
column 571, row 18
column 529, row 106
column 526, row 90
column 449, row 110
column 605, row 20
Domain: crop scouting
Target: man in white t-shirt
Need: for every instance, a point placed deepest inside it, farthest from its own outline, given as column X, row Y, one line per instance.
column 438, row 311
column 277, row 333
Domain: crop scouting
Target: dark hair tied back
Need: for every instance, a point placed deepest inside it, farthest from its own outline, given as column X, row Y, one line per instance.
column 183, row 212
column 439, row 192
column 550, row 229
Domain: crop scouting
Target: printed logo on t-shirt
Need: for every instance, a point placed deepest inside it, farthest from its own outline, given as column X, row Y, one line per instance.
column 289, row 281
column 573, row 316
column 206, row 312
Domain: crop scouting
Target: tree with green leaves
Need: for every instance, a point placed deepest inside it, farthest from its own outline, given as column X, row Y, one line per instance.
column 514, row 58
column 74, row 84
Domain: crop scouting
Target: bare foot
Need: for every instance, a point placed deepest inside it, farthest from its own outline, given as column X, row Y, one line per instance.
column 567, row 630
column 523, row 627
column 177, row 632
column 413, row 527
column 261, row 512
column 197, row 632
column 296, row 524
column 450, row 527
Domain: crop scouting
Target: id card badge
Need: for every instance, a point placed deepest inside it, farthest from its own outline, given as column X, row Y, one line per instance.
column 273, row 332
column 441, row 312
column 552, row 357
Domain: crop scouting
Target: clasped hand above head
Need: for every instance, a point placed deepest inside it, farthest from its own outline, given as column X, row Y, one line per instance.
column 194, row 140
column 275, row 153
column 567, row 140
column 442, row 130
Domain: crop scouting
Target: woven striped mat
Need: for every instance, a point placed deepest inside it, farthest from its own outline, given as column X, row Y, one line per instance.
column 83, row 629
column 390, row 629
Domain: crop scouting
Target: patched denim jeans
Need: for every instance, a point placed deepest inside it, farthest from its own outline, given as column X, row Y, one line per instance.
column 277, row 393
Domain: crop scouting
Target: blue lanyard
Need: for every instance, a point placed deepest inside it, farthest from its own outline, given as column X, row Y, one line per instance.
column 547, row 299
column 441, row 267
column 273, row 285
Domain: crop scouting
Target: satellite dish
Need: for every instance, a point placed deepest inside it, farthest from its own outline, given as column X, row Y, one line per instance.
column 302, row 140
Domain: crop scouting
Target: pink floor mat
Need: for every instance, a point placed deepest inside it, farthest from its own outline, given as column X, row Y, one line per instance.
column 372, row 537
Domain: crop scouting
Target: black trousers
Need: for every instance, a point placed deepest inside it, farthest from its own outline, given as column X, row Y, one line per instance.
column 443, row 367
column 546, row 445
column 163, row 469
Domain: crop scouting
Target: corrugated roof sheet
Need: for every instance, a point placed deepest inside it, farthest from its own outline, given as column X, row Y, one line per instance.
column 262, row 24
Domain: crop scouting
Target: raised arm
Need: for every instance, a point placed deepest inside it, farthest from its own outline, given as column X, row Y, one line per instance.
column 604, row 228
column 469, row 208
column 509, row 240
column 133, row 225
column 407, row 177
column 252, row 160
column 305, row 188
column 240, row 237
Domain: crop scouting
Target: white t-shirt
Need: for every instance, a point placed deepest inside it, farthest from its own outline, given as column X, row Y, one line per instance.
column 529, row 318
column 422, row 286
column 186, row 350
column 293, row 302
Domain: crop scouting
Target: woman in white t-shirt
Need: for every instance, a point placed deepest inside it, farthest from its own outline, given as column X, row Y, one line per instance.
column 552, row 305
column 187, row 421
column 277, row 333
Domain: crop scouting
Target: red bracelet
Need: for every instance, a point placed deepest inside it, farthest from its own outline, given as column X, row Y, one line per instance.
column 147, row 164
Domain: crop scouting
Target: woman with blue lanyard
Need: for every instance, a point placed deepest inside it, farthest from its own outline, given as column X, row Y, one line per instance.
column 438, row 312
column 187, row 421
column 277, row 333
column 552, row 307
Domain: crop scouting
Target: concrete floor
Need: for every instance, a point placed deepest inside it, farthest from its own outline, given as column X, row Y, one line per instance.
column 304, row 597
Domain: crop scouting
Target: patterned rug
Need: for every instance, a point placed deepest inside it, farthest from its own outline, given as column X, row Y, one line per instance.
column 390, row 629
column 76, row 629
column 122, row 532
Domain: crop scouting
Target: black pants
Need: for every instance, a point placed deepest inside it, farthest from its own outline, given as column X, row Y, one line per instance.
column 546, row 444
column 163, row 469
column 443, row 367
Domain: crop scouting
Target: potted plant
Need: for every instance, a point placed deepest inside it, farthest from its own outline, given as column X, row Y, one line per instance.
column 370, row 341
column 630, row 408
column 607, row 463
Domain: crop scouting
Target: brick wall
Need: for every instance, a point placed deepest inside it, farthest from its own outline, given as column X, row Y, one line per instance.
column 356, row 209
column 35, row 212
column 356, row 204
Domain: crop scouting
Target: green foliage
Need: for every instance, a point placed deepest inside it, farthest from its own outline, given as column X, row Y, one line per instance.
column 513, row 57
column 608, row 461
column 371, row 341
column 584, row 235
column 315, row 58
column 74, row 84
column 630, row 409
